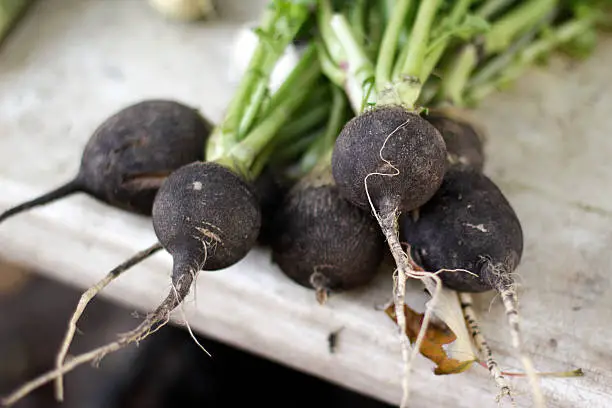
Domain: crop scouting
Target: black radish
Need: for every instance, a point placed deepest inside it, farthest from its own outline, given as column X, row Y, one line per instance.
column 207, row 217
column 322, row 241
column 469, row 226
column 464, row 141
column 131, row 153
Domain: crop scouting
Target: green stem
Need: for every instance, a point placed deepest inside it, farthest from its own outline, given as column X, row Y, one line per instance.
column 356, row 15
column 279, row 25
column 386, row 9
column 411, row 74
column 492, row 7
column 419, row 39
column 500, row 62
column 303, row 78
column 10, row 12
column 515, row 22
column 332, row 44
column 327, row 140
column 388, row 48
column 503, row 31
column 297, row 135
column 294, row 137
column 329, row 67
column 252, row 107
column 307, row 119
column 458, row 12
column 290, row 153
column 359, row 69
column 457, row 75
column 375, row 28
column 564, row 33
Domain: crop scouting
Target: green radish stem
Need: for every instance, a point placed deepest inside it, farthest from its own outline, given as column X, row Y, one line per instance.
column 10, row 13
column 241, row 155
column 298, row 133
column 322, row 146
column 386, row 56
column 275, row 32
column 435, row 52
column 491, row 7
column 483, row 85
column 502, row 32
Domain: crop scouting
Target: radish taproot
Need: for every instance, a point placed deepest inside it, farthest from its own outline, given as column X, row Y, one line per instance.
column 131, row 153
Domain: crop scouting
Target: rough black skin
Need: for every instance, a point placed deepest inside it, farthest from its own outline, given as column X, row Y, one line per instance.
column 131, row 153
column 468, row 224
column 206, row 216
column 464, row 144
column 271, row 191
column 416, row 150
column 324, row 242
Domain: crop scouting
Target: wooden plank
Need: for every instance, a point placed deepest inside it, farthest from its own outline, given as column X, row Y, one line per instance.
column 549, row 145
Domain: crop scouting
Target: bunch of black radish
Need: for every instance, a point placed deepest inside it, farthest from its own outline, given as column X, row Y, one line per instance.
column 367, row 141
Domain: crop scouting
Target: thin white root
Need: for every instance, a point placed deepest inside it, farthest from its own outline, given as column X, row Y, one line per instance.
column 405, row 271
column 483, row 348
column 510, row 300
column 153, row 322
column 86, row 297
column 399, row 301
column 95, row 355
column 184, row 316
column 387, row 219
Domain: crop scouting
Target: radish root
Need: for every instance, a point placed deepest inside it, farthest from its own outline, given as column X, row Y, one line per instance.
column 71, row 187
column 153, row 322
column 388, row 224
column 319, row 282
column 86, row 297
column 510, row 301
column 483, row 348
column 184, row 316
column 387, row 219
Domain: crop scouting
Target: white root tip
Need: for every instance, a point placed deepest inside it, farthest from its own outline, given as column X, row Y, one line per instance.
column 510, row 301
column 483, row 348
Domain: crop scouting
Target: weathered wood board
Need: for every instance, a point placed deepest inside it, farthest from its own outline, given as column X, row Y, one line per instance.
column 73, row 62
